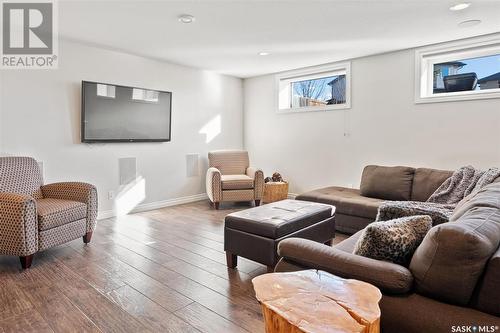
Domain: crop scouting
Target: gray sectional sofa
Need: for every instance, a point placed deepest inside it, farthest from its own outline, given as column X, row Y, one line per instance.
column 356, row 208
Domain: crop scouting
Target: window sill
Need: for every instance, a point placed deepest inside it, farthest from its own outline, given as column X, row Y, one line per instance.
column 458, row 96
column 314, row 109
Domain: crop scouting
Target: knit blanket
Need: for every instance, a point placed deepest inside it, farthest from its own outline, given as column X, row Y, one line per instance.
column 440, row 205
column 390, row 210
column 463, row 182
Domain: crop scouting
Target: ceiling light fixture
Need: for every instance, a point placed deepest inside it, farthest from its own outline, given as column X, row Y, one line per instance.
column 460, row 6
column 469, row 23
column 263, row 53
column 186, row 18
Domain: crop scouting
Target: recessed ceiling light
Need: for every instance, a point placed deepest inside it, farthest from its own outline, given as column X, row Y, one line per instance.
column 263, row 53
column 186, row 18
column 469, row 23
column 460, row 6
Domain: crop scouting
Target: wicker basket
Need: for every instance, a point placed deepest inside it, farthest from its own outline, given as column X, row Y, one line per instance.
column 275, row 191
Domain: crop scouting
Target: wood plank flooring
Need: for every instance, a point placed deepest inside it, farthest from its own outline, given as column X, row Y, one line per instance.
column 157, row 271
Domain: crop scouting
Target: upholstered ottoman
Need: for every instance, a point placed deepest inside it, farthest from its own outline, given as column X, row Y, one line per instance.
column 255, row 233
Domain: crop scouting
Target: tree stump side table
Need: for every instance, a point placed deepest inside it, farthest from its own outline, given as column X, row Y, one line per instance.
column 275, row 191
column 314, row 301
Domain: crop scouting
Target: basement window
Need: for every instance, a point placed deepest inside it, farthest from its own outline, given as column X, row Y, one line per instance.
column 459, row 71
column 320, row 88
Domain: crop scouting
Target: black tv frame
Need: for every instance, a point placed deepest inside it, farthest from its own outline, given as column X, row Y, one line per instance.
column 82, row 117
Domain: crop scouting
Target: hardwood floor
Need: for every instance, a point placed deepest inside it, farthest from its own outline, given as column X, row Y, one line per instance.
column 158, row 271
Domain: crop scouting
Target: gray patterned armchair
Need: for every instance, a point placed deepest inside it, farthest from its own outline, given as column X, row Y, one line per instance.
column 35, row 217
column 230, row 178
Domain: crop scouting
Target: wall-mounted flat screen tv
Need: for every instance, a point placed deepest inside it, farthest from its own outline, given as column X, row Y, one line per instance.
column 113, row 113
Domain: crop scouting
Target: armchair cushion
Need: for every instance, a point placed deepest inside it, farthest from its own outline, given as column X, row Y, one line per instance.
column 56, row 212
column 391, row 278
column 236, row 182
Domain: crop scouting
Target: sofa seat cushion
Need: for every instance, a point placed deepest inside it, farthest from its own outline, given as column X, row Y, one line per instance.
column 347, row 245
column 56, row 212
column 236, row 182
column 347, row 201
column 394, row 240
column 390, row 183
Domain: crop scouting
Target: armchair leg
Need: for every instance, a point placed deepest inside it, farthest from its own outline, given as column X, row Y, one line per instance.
column 87, row 237
column 216, row 205
column 26, row 261
column 257, row 202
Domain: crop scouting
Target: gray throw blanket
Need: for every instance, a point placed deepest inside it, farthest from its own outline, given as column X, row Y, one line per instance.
column 463, row 182
column 442, row 202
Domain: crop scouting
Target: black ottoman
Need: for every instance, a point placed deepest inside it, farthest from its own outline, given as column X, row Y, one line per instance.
column 255, row 233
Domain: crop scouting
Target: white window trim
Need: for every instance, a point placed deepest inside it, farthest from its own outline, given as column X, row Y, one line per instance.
column 312, row 72
column 426, row 57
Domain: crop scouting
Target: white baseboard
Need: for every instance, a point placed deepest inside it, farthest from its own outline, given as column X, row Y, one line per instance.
column 106, row 214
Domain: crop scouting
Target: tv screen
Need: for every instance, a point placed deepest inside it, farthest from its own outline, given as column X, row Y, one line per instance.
column 113, row 113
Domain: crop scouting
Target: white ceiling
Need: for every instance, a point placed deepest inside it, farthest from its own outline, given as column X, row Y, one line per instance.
column 228, row 35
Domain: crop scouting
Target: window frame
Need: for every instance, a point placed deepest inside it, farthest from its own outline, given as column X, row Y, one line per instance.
column 285, row 78
column 426, row 57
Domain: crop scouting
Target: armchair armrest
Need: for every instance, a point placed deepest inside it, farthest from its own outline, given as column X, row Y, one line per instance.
column 75, row 191
column 258, row 181
column 18, row 225
column 389, row 277
column 214, row 185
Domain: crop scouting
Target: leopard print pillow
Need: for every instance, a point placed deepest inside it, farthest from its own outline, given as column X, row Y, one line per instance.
column 393, row 240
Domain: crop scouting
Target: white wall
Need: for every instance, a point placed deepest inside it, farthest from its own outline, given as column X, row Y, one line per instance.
column 41, row 118
column 384, row 126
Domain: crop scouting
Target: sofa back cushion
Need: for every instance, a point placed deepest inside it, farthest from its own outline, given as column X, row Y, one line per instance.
column 452, row 257
column 426, row 181
column 20, row 175
column 389, row 183
column 229, row 162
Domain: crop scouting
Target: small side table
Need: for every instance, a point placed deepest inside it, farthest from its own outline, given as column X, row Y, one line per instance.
column 275, row 191
column 316, row 301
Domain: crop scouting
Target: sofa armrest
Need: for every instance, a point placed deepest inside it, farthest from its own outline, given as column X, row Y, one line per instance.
column 75, row 191
column 18, row 224
column 214, row 185
column 258, row 181
column 389, row 277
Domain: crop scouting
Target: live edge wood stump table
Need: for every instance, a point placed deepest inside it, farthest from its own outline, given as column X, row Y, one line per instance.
column 314, row 301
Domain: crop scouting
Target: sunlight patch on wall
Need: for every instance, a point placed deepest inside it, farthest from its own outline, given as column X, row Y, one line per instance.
column 130, row 196
column 211, row 129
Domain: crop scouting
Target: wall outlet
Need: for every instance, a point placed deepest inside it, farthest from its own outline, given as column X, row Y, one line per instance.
column 111, row 195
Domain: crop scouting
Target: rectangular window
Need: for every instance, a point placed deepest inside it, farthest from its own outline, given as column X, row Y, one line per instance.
column 316, row 89
column 458, row 71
